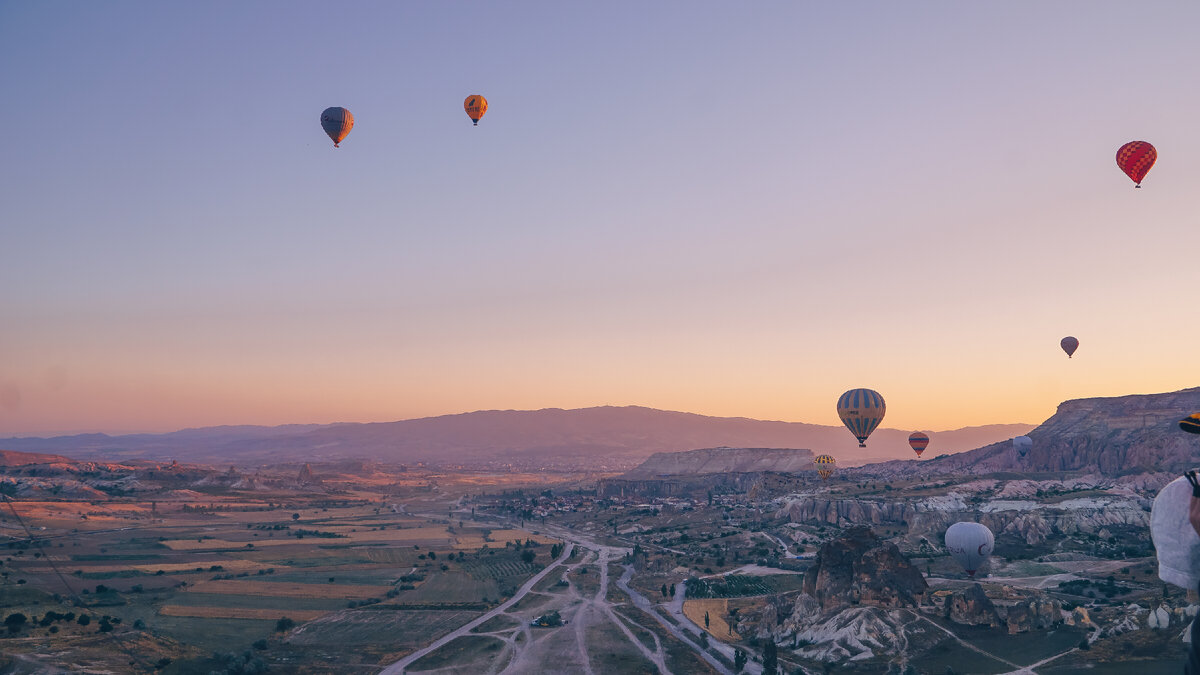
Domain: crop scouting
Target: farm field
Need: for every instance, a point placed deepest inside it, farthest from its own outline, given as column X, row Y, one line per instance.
column 202, row 580
column 717, row 609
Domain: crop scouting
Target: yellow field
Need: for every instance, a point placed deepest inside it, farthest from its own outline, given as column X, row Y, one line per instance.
column 242, row 613
column 207, row 544
column 498, row 538
column 227, row 566
column 717, row 609
column 285, row 589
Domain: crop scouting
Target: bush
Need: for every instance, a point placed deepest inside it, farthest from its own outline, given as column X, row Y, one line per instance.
column 284, row 624
column 83, row 620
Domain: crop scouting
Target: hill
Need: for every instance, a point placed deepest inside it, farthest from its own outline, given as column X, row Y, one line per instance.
column 604, row 438
column 1108, row 436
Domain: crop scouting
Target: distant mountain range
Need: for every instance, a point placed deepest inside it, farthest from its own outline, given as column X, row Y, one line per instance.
column 1115, row 436
column 588, row 438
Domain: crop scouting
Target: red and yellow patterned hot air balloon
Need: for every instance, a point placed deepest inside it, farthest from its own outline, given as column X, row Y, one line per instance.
column 476, row 107
column 919, row 441
column 1135, row 158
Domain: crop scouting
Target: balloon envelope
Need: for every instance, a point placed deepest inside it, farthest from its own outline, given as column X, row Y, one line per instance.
column 476, row 107
column 1191, row 424
column 1135, row 158
column 337, row 122
column 861, row 410
column 919, row 441
column 1023, row 444
column 1069, row 345
column 971, row 544
column 825, row 465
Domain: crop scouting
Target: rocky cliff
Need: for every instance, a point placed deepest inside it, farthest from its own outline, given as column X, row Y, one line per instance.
column 722, row 460
column 859, row 568
column 1026, row 519
column 1108, row 436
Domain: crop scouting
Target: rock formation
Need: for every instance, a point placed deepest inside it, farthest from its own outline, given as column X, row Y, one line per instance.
column 858, row 568
column 972, row 607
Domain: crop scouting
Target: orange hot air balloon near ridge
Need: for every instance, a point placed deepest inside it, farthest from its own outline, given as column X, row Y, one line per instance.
column 1069, row 345
column 1135, row 158
column 919, row 441
column 476, row 107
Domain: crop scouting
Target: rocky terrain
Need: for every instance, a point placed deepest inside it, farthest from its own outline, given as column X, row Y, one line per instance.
column 1111, row 437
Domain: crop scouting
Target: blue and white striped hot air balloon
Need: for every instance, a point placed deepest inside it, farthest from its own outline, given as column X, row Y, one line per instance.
column 861, row 411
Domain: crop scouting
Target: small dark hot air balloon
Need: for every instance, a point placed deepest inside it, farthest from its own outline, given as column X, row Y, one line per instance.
column 861, row 410
column 337, row 122
column 1135, row 158
column 1191, row 424
column 476, row 107
column 919, row 441
column 1069, row 345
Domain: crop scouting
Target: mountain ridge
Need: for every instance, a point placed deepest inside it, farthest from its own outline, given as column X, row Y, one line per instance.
column 597, row 437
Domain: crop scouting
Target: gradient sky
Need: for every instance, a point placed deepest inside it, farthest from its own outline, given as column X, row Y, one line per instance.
column 723, row 208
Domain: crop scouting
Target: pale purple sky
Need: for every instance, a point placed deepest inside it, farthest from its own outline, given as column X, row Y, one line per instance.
column 724, row 208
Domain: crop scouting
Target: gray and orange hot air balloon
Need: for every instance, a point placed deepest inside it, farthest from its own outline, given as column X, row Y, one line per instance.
column 476, row 107
column 1069, row 345
column 919, row 441
column 1135, row 158
column 337, row 122
column 861, row 410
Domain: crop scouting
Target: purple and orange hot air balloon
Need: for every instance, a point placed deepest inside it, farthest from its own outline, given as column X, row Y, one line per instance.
column 919, row 441
column 1135, row 158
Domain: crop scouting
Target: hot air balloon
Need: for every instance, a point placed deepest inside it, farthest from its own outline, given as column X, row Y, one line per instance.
column 1023, row 444
column 918, row 441
column 1191, row 424
column 825, row 465
column 1069, row 345
column 861, row 411
column 970, row 544
column 1135, row 158
column 476, row 107
column 1176, row 540
column 337, row 122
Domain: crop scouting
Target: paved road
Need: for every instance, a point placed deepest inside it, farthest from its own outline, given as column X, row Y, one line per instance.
column 398, row 667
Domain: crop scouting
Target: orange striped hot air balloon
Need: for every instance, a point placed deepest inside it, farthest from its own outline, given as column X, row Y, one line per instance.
column 1135, row 158
column 476, row 107
column 919, row 441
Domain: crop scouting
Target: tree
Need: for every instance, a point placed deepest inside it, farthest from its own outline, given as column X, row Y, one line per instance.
column 739, row 660
column 664, row 590
column 284, row 624
column 704, row 640
column 15, row 621
column 528, row 556
column 672, row 590
column 706, row 620
column 295, row 516
column 770, row 658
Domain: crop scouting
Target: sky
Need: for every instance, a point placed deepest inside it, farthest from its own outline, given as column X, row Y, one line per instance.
column 735, row 209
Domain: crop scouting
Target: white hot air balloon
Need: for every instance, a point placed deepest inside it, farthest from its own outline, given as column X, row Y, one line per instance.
column 1023, row 444
column 971, row 544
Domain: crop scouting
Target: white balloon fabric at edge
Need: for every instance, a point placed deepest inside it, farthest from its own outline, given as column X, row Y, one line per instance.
column 971, row 544
column 1174, row 538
